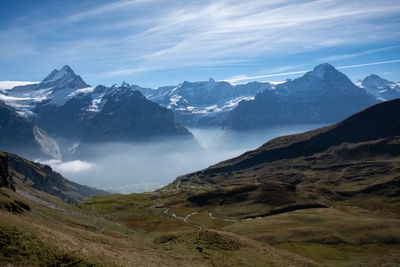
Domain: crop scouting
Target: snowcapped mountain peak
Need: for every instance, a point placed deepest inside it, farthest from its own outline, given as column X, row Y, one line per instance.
column 379, row 87
column 67, row 68
column 323, row 81
column 64, row 73
column 376, row 80
column 321, row 70
column 373, row 76
column 56, row 89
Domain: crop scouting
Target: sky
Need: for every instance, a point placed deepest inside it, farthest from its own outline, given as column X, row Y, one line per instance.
column 164, row 42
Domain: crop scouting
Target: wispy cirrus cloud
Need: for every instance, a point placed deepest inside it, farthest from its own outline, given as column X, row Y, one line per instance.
column 243, row 30
column 125, row 38
column 358, row 54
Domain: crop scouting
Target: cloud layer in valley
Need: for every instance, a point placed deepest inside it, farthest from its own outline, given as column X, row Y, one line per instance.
column 125, row 168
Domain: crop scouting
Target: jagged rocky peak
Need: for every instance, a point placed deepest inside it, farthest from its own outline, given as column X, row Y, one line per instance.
column 5, row 177
column 123, row 90
column 125, row 84
column 65, row 76
column 64, row 72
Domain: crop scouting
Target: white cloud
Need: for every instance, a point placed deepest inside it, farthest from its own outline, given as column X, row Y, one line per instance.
column 243, row 77
column 358, row 54
column 11, row 84
column 112, row 7
column 206, row 35
column 68, row 167
column 369, row 64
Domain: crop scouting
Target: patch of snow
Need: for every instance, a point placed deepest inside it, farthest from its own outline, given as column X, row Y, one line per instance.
column 25, row 113
column 60, row 97
column 234, row 102
column 48, row 145
column 72, row 149
column 21, row 103
column 86, row 90
column 275, row 82
column 96, row 104
column 176, row 101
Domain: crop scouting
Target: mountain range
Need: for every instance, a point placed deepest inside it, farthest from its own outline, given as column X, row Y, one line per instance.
column 203, row 103
column 67, row 108
column 63, row 107
column 323, row 95
column 379, row 87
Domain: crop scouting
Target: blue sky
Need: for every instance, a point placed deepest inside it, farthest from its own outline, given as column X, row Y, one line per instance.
column 160, row 42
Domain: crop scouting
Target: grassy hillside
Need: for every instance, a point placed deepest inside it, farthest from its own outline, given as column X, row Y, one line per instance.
column 74, row 236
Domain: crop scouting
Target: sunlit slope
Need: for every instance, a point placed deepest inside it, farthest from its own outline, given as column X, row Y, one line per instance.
column 38, row 228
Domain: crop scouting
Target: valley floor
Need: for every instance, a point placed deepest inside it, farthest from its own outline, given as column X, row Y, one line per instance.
column 150, row 230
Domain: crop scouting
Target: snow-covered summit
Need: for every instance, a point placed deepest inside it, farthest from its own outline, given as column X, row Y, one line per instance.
column 322, row 69
column 379, row 87
column 64, row 73
column 56, row 88
column 323, row 80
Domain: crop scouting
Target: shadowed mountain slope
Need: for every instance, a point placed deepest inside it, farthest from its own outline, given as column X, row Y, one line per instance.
column 22, row 174
column 20, row 135
column 356, row 160
column 379, row 121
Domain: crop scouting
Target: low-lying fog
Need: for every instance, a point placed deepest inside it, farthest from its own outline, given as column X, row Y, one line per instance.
column 126, row 168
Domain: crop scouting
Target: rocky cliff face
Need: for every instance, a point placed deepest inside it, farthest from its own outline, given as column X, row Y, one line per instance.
column 126, row 115
column 5, row 178
column 20, row 135
column 27, row 174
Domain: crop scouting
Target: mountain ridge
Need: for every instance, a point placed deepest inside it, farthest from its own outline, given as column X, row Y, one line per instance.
column 22, row 175
column 363, row 126
column 323, row 95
